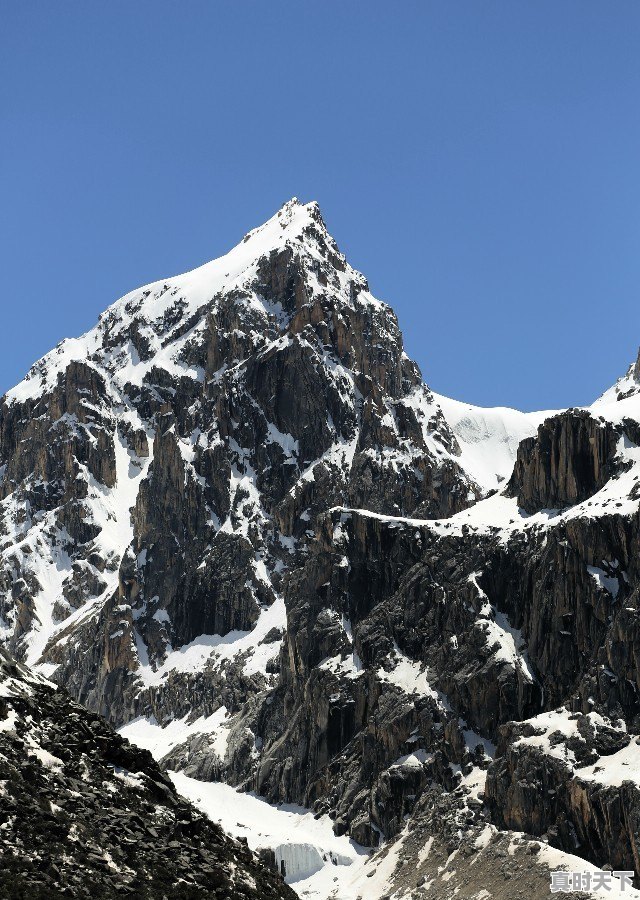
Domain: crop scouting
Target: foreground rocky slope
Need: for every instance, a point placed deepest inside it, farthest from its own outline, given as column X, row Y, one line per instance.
column 236, row 522
column 84, row 813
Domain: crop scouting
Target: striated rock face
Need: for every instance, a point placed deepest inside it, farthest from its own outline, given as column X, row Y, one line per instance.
column 86, row 814
column 394, row 659
column 412, row 644
column 565, row 463
column 548, row 779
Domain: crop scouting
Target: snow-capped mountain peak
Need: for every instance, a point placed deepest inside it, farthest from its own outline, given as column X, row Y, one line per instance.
column 164, row 472
column 234, row 520
column 151, row 325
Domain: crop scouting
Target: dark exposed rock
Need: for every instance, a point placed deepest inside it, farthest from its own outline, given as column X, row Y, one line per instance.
column 179, row 468
column 529, row 790
column 568, row 461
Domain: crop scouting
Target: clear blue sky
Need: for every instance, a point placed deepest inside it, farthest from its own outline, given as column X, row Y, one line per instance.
column 479, row 161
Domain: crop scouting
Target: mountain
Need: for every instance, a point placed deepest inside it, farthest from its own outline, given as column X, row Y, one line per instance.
column 162, row 474
column 236, row 523
column 85, row 814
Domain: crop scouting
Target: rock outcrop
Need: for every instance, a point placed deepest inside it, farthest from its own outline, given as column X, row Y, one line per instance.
column 551, row 777
column 567, row 462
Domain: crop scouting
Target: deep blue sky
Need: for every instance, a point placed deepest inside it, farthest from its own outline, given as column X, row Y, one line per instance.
column 479, row 161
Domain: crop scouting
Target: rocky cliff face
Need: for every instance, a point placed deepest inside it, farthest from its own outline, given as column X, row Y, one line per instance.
column 570, row 760
column 568, row 461
column 235, row 522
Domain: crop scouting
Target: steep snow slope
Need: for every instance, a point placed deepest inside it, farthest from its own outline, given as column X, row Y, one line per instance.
column 489, row 437
column 619, row 407
column 321, row 866
column 148, row 310
column 313, row 858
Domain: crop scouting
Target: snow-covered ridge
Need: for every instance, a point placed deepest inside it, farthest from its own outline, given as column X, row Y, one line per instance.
column 489, row 437
column 163, row 318
column 153, row 307
column 489, row 440
column 151, row 329
column 157, row 339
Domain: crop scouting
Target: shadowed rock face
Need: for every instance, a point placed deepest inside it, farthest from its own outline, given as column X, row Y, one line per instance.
column 86, row 814
column 577, row 811
column 568, row 461
column 398, row 645
column 336, row 729
column 404, row 636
